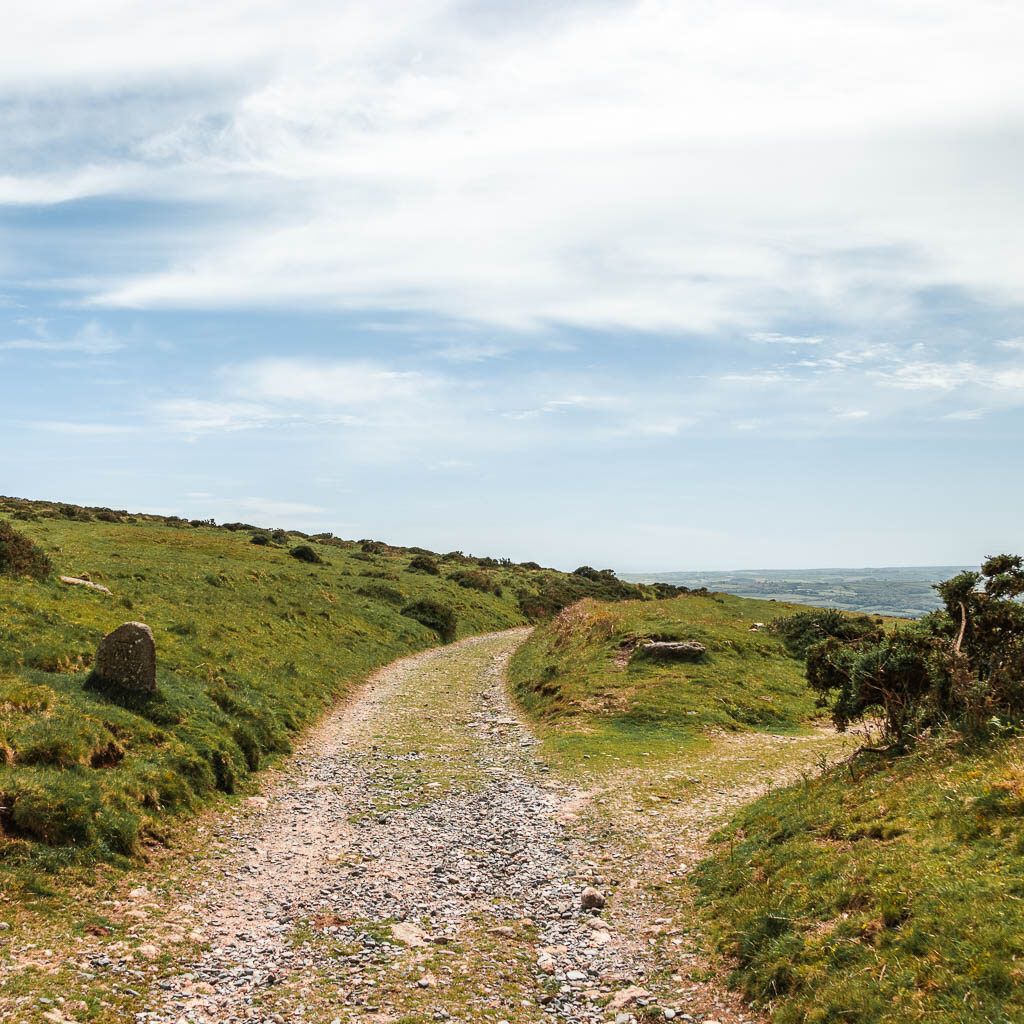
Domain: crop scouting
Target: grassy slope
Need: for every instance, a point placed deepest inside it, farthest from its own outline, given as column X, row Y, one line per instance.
column 576, row 677
column 252, row 645
column 889, row 892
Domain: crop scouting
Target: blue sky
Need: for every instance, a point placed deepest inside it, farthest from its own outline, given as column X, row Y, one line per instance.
column 645, row 285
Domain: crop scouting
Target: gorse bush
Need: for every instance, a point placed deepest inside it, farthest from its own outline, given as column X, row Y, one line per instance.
column 381, row 592
column 434, row 615
column 20, row 556
column 475, row 579
column 962, row 666
column 802, row 631
column 304, row 553
column 424, row 563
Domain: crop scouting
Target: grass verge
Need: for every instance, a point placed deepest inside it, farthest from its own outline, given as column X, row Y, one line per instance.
column 885, row 890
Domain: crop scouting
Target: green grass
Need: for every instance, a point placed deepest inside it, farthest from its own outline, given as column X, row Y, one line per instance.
column 252, row 645
column 591, row 693
column 886, row 890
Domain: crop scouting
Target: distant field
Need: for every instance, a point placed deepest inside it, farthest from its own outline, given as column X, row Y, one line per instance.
column 899, row 590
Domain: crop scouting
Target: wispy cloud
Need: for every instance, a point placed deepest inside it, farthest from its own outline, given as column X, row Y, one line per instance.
column 71, row 427
column 90, row 340
column 771, row 338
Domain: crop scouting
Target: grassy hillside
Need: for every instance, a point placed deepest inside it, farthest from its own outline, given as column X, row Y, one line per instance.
column 252, row 644
column 889, row 890
column 582, row 675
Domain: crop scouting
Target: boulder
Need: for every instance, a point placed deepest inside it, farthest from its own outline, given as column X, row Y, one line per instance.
column 126, row 658
column 592, row 899
column 675, row 650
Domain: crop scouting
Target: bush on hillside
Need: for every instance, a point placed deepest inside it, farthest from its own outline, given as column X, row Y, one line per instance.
column 800, row 632
column 475, row 579
column 304, row 553
column 424, row 563
column 434, row 615
column 259, row 538
column 21, row 556
column 381, row 592
column 960, row 667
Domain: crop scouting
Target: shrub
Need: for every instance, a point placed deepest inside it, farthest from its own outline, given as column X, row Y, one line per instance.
column 304, row 553
column 434, row 615
column 962, row 666
column 424, row 563
column 802, row 631
column 259, row 538
column 381, row 592
column 20, row 556
column 474, row 579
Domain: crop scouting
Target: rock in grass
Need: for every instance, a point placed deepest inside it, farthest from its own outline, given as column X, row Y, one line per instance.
column 675, row 650
column 76, row 582
column 126, row 658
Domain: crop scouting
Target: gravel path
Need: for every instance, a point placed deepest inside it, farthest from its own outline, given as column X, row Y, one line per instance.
column 415, row 862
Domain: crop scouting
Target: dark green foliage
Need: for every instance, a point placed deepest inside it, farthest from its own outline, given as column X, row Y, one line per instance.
column 475, row 579
column 20, row 556
column 382, row 592
column 424, row 563
column 304, row 553
column 529, row 565
column 802, row 631
column 260, row 538
column 434, row 615
column 963, row 666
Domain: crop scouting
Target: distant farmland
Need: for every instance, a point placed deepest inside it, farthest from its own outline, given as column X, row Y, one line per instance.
column 898, row 590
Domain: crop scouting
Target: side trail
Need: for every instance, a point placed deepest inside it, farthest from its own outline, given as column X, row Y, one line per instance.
column 415, row 862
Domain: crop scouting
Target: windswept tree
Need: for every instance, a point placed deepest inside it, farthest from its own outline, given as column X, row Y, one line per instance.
column 961, row 666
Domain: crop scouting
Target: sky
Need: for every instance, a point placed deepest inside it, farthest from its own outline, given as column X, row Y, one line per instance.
column 643, row 285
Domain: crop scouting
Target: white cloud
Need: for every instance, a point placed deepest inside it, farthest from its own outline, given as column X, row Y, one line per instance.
column 92, row 340
column 196, row 416
column 274, row 509
column 69, row 427
column 658, row 164
column 1016, row 344
column 771, row 338
column 328, row 384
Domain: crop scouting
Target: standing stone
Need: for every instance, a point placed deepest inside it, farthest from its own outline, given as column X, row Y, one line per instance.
column 127, row 658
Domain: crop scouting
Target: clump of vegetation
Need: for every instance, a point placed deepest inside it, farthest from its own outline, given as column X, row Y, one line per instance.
column 475, row 579
column 382, row 592
column 304, row 553
column 260, row 539
column 960, row 667
column 434, row 615
column 424, row 563
column 20, row 556
column 800, row 632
